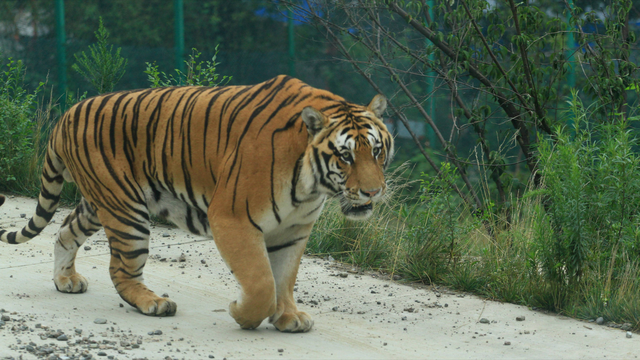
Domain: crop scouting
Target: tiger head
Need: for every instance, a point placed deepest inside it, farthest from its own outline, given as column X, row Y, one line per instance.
column 350, row 148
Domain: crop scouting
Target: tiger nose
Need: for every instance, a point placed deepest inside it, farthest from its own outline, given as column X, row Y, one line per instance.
column 371, row 193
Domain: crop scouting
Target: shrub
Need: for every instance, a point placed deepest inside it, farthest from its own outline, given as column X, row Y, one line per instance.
column 17, row 106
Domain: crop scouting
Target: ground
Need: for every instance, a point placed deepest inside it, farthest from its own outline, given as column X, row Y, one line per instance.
column 357, row 315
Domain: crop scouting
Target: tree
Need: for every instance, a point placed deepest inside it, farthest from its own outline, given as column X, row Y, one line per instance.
column 499, row 68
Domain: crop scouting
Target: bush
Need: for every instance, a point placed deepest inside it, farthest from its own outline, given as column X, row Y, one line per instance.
column 17, row 107
column 199, row 73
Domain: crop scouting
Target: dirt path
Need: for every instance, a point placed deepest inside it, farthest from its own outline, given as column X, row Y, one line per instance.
column 356, row 317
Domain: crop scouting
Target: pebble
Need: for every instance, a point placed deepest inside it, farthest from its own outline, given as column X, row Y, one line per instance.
column 397, row 277
column 507, row 343
column 182, row 258
column 5, row 318
column 23, row 215
column 626, row 327
column 600, row 320
column 280, row 350
column 87, row 247
column 484, row 321
column 520, row 318
column 102, row 353
column 62, row 337
column 165, row 235
column 155, row 332
column 100, row 321
column 343, row 275
column 78, row 331
column 629, row 335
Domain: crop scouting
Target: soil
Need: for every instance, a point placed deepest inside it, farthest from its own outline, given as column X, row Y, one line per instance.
column 357, row 315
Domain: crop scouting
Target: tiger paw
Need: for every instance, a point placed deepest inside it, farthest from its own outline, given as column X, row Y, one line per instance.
column 297, row 321
column 154, row 305
column 75, row 283
column 246, row 319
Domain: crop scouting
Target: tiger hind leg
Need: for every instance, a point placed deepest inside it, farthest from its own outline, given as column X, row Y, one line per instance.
column 76, row 228
column 129, row 243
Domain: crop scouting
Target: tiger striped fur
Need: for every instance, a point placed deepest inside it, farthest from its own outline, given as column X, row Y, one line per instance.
column 250, row 165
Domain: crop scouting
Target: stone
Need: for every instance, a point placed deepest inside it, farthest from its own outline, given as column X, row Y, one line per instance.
column 600, row 320
column 520, row 318
column 100, row 321
column 484, row 321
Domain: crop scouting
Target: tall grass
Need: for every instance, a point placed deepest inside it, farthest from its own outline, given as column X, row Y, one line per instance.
column 572, row 246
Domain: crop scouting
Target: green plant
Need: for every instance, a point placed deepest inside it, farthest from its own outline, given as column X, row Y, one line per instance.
column 104, row 68
column 199, row 73
column 17, row 106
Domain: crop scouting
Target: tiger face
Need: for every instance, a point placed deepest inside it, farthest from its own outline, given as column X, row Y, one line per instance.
column 351, row 149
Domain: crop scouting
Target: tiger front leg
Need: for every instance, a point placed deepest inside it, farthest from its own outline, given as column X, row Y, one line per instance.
column 284, row 263
column 242, row 248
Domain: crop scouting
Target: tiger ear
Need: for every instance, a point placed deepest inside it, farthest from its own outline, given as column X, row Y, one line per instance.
column 314, row 119
column 378, row 105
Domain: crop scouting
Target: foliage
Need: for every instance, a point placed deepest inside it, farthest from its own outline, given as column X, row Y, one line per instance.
column 104, row 68
column 484, row 76
column 199, row 73
column 17, row 106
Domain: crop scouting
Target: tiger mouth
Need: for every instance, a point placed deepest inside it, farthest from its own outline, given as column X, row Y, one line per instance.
column 357, row 211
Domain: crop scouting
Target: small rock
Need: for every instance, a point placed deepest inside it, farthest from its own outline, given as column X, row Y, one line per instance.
column 600, row 320
column 62, row 337
column 507, row 343
column 165, row 295
column 102, row 353
column 280, row 350
column 79, row 331
column 626, row 327
column 165, row 235
column 203, row 261
column 629, row 335
column 211, row 357
column 23, row 215
column 182, row 258
column 484, row 321
column 397, row 277
column 87, row 247
column 343, row 275
column 520, row 318
column 1, row 323
column 5, row 318
column 100, row 321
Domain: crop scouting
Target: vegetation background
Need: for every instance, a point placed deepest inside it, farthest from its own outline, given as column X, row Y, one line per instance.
column 517, row 174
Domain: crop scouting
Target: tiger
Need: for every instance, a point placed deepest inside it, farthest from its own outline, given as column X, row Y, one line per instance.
column 251, row 166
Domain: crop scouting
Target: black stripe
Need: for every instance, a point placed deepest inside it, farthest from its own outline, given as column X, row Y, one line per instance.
column 285, row 245
column 130, row 254
column 251, row 219
column 12, row 237
column 41, row 212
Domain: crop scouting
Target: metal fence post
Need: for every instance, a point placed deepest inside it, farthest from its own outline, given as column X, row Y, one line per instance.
column 61, row 53
column 179, row 34
column 292, row 49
